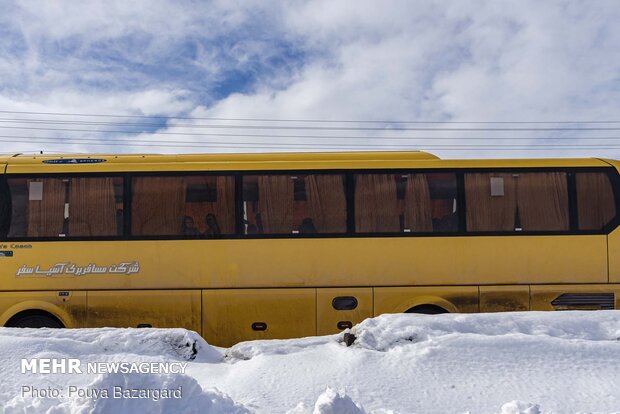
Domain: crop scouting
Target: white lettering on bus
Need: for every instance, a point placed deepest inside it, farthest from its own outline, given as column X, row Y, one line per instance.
column 68, row 268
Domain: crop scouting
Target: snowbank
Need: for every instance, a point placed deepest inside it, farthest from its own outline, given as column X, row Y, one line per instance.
column 330, row 402
column 170, row 343
column 86, row 393
column 509, row 363
column 194, row 399
column 387, row 331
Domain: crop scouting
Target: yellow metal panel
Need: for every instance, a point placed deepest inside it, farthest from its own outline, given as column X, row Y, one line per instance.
column 504, row 298
column 158, row 308
column 463, row 299
column 613, row 241
column 69, row 306
column 422, row 261
column 228, row 315
column 276, row 161
column 328, row 317
column 542, row 296
column 332, row 262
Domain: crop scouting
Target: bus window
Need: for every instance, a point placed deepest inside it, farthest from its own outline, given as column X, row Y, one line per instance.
column 95, row 206
column 595, row 200
column 5, row 207
column 409, row 203
column 190, row 206
column 294, row 204
column 519, row 201
column 66, row 207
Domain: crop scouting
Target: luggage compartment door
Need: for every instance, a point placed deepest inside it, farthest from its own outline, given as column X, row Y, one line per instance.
column 234, row 315
column 144, row 308
column 341, row 308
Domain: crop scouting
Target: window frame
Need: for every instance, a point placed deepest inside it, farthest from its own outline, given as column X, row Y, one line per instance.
column 611, row 172
column 409, row 172
column 239, row 204
column 129, row 192
column 127, row 177
column 6, row 177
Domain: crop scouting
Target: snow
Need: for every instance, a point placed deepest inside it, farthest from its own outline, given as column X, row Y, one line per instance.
column 507, row 363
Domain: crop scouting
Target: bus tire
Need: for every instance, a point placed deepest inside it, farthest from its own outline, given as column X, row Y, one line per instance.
column 34, row 319
column 427, row 310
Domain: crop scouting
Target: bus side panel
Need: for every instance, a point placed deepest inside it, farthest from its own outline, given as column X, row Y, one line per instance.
column 613, row 242
column 230, row 316
column 68, row 306
column 149, row 308
column 337, row 306
column 574, row 297
column 462, row 299
column 421, row 261
column 504, row 298
column 307, row 263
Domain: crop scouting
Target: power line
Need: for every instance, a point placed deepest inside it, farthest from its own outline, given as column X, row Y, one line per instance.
column 302, row 120
column 318, row 137
column 131, row 141
column 304, row 127
column 309, row 146
column 97, row 141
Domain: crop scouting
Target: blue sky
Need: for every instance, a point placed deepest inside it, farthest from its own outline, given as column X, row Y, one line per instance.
column 449, row 60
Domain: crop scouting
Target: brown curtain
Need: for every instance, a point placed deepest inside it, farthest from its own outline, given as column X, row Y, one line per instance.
column 92, row 207
column 224, row 208
column 486, row 212
column 327, row 203
column 376, row 205
column 418, row 208
column 46, row 216
column 275, row 203
column 158, row 205
column 595, row 200
column 542, row 199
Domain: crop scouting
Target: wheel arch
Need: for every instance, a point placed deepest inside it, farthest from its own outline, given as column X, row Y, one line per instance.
column 436, row 301
column 44, row 308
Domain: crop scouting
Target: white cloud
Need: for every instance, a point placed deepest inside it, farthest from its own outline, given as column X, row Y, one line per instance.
column 397, row 60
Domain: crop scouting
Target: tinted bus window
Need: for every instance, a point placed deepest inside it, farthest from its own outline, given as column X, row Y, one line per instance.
column 5, row 207
column 596, row 206
column 409, row 203
column 517, row 201
column 66, row 207
column 294, row 204
column 190, row 206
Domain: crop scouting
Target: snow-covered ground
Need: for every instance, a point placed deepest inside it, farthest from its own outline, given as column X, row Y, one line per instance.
column 535, row 362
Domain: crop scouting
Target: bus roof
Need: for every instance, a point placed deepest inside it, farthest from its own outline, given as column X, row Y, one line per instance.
column 66, row 163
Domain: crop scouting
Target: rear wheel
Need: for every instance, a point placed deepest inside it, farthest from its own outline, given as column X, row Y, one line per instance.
column 427, row 310
column 32, row 319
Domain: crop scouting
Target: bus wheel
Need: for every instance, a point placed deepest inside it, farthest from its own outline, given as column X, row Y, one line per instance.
column 34, row 319
column 427, row 310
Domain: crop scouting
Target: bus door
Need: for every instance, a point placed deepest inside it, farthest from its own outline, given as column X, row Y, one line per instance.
column 342, row 308
column 234, row 315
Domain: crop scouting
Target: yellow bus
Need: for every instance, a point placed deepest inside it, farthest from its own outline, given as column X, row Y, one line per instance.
column 259, row 246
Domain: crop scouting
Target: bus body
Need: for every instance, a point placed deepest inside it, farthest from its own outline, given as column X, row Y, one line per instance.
column 261, row 246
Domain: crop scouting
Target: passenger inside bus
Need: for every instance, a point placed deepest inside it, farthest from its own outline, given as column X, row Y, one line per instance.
column 213, row 229
column 189, row 228
column 307, row 226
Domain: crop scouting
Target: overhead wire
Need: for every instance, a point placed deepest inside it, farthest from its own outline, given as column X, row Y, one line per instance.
column 318, row 137
column 306, row 146
column 133, row 141
column 402, row 142
column 302, row 120
column 302, row 127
